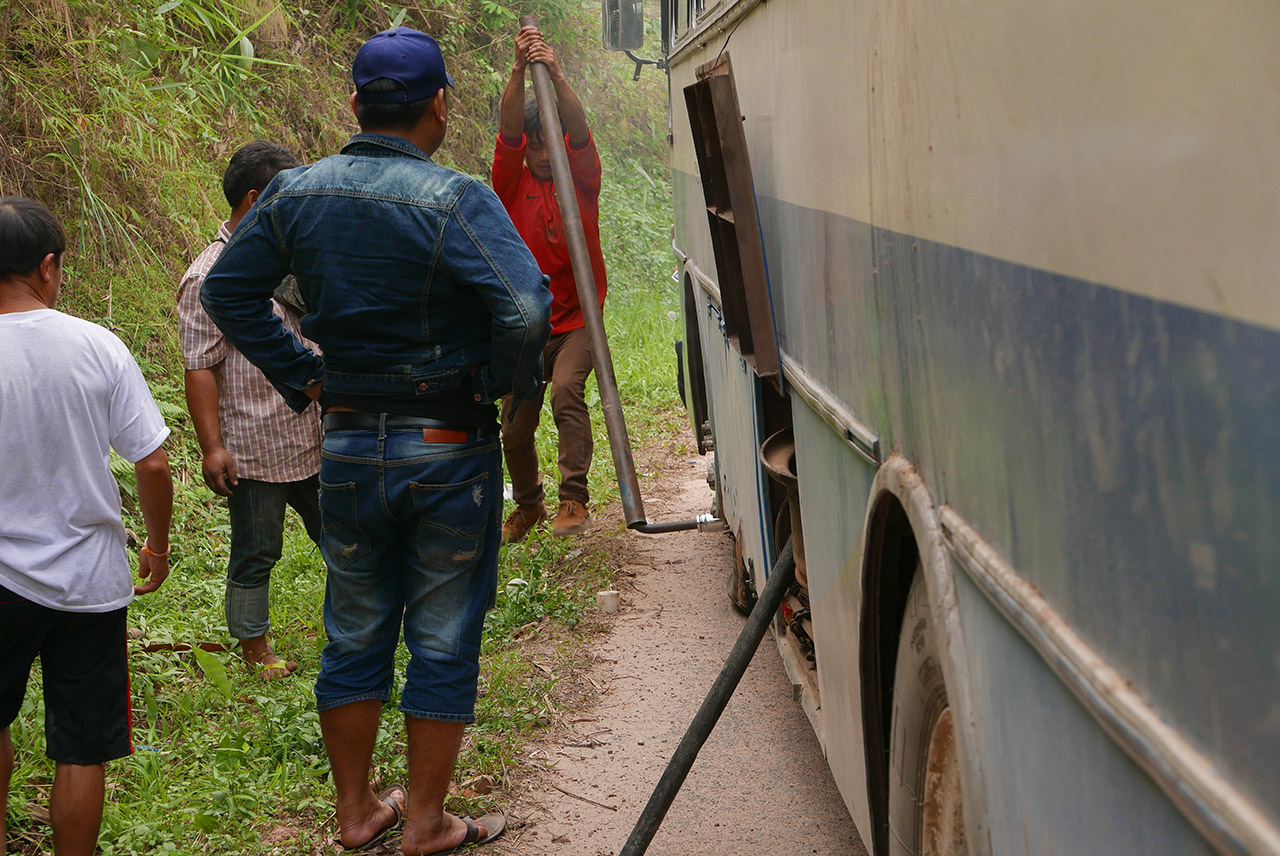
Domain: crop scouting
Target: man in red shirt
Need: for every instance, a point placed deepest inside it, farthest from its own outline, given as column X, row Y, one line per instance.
column 522, row 180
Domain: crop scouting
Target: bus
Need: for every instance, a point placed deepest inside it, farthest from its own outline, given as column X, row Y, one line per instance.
column 981, row 308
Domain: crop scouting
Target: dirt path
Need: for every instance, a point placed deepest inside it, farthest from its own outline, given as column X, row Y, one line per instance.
column 760, row 784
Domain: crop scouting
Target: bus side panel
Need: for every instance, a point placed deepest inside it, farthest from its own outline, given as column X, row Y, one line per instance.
column 1117, row 451
column 1038, row 311
column 734, row 420
column 834, row 485
column 1042, row 777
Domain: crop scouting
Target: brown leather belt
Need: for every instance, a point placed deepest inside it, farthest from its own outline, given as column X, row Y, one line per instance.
column 433, row 430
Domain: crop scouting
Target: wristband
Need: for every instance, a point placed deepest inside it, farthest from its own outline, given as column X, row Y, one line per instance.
column 147, row 549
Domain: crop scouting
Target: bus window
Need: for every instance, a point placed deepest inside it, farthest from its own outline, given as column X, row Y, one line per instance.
column 685, row 15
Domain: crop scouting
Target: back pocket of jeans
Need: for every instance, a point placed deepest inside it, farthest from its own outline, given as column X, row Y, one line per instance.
column 345, row 542
column 452, row 522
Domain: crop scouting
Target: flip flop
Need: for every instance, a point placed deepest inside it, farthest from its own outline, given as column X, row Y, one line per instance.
column 384, row 795
column 495, row 822
column 278, row 665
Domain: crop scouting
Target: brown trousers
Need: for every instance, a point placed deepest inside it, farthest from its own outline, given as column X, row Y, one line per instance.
column 567, row 363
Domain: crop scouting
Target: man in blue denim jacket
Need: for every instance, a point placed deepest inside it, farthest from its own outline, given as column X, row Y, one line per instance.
column 428, row 307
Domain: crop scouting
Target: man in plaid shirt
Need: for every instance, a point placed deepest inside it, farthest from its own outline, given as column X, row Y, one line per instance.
column 257, row 452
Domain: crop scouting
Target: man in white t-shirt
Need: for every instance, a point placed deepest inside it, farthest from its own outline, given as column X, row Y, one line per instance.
column 69, row 393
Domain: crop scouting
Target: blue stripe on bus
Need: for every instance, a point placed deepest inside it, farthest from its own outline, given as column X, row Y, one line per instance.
column 1122, row 453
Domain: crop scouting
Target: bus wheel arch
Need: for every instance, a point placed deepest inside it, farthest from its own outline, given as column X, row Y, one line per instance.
column 904, row 543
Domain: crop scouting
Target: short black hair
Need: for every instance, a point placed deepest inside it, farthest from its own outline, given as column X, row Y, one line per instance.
column 391, row 117
column 533, row 118
column 253, row 167
column 28, row 233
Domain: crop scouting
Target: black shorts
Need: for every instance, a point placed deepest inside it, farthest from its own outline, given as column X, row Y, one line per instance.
column 85, row 664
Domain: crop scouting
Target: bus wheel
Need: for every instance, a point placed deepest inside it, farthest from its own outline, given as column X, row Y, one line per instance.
column 926, row 811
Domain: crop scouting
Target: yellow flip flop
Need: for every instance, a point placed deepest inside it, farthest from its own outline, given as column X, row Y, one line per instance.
column 277, row 666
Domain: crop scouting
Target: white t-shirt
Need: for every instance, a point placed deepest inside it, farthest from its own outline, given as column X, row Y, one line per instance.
column 69, row 390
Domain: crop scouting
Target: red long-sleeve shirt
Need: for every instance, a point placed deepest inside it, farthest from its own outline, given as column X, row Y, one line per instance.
column 533, row 208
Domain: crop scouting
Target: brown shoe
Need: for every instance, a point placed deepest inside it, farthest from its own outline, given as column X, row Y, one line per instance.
column 520, row 521
column 571, row 519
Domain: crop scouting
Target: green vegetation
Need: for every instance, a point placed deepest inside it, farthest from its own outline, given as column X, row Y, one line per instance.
column 120, row 116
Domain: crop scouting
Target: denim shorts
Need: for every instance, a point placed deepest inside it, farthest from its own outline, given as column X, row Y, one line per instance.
column 411, row 530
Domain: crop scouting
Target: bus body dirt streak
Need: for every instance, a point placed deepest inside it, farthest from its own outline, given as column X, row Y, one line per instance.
column 1020, row 266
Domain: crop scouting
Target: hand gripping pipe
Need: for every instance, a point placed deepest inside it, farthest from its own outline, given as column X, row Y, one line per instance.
column 589, row 299
column 780, row 579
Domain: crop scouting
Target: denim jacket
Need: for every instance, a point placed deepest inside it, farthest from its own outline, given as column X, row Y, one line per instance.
column 416, row 280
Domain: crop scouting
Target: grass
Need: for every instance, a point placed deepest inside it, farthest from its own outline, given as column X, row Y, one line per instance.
column 228, row 764
column 221, row 766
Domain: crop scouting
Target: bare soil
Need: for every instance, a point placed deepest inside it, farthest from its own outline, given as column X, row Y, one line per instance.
column 760, row 784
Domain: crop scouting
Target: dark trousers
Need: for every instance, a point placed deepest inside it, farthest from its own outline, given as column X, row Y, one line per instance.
column 567, row 362
column 257, row 540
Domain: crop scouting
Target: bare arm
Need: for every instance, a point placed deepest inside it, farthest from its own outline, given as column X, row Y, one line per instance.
column 572, row 116
column 512, row 124
column 218, row 467
column 155, row 497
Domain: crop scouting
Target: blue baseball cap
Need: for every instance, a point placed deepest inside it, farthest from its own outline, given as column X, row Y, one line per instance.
column 406, row 56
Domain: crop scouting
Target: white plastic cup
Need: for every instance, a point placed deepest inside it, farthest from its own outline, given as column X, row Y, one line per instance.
column 607, row 601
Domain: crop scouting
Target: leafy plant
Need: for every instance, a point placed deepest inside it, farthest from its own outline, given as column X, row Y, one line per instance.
column 214, row 671
column 496, row 17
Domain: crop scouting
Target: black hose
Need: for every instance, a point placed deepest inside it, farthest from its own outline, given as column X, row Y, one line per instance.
column 784, row 573
column 661, row 528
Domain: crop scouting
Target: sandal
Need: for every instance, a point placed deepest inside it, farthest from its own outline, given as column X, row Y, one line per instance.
column 384, row 796
column 265, row 670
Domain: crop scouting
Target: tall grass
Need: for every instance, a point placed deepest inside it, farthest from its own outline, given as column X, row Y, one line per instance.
column 121, row 116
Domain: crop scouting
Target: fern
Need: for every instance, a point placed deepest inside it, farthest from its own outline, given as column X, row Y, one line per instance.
column 124, row 475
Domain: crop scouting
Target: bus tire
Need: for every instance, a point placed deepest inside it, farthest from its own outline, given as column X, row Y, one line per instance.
column 926, row 816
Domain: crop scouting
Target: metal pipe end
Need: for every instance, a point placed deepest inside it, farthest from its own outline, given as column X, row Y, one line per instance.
column 711, row 523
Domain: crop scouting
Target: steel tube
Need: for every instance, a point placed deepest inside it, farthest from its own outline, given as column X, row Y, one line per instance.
column 588, row 298
column 663, row 528
column 784, row 573
column 703, row 523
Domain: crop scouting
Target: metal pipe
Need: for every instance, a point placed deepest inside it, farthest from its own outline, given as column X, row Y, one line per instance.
column 784, row 573
column 703, row 523
column 588, row 298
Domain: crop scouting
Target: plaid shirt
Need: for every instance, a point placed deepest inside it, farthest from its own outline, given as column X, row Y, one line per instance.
column 268, row 440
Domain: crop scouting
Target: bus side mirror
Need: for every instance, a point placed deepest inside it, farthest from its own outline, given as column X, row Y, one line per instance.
column 623, row 24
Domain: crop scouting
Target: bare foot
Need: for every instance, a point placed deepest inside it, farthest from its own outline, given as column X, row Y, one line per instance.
column 385, row 814
column 448, row 834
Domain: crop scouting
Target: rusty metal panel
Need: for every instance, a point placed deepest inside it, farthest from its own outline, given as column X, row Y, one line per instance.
column 720, row 222
column 737, row 167
column 729, row 194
